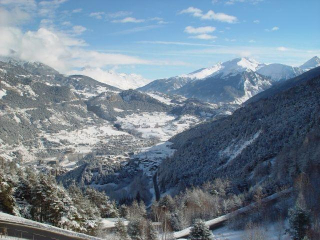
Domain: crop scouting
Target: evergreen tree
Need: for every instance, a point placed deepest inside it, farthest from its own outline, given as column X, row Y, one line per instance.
column 7, row 200
column 200, row 231
column 135, row 229
column 299, row 221
column 151, row 232
column 121, row 230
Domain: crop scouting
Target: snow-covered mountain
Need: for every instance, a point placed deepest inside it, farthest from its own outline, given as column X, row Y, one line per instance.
column 202, row 73
column 232, row 67
column 111, row 77
column 278, row 72
column 312, row 63
column 231, row 82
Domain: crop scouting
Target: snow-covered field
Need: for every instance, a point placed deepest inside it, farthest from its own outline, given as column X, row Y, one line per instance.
column 84, row 139
column 158, row 125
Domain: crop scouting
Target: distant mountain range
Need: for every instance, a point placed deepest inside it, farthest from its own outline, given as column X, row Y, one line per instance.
column 230, row 82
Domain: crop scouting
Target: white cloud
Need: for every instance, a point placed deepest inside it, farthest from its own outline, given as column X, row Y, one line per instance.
column 13, row 17
column 177, row 43
column 230, row 40
column 282, row 49
column 128, row 20
column 199, row 30
column 204, row 36
column 78, row 10
column 25, row 5
column 58, row 50
column 137, row 29
column 118, row 14
column 252, row 41
column 67, row 23
column 272, row 29
column 231, row 2
column 210, row 15
column 111, row 77
column 48, row 8
column 97, row 15
column 159, row 20
column 78, row 30
column 256, row 21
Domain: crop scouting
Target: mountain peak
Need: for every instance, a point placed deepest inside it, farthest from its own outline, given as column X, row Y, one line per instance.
column 239, row 65
column 312, row 63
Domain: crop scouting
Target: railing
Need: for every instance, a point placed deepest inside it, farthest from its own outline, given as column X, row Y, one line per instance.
column 6, row 232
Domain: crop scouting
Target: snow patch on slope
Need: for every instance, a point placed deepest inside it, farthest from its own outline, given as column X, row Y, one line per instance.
column 160, row 98
column 3, row 93
column 236, row 149
column 279, row 71
column 158, row 125
column 203, row 73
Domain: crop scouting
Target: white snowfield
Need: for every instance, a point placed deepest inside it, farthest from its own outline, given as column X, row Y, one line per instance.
column 220, row 220
column 14, row 220
column 3, row 93
column 157, row 124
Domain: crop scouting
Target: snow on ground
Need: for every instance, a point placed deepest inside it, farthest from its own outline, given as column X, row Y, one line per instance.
column 118, row 110
column 157, row 124
column 149, row 158
column 85, row 137
column 111, row 222
column 3, row 93
column 235, row 149
column 160, row 98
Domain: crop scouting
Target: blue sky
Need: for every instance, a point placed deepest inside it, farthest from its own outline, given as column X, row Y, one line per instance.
column 156, row 38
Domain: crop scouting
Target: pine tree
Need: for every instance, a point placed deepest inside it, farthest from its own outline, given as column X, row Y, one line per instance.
column 7, row 200
column 151, row 232
column 135, row 229
column 121, row 230
column 200, row 231
column 299, row 220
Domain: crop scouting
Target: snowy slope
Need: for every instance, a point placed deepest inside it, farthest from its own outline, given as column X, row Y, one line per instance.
column 202, row 73
column 111, row 77
column 312, row 63
column 239, row 65
column 279, row 72
column 224, row 70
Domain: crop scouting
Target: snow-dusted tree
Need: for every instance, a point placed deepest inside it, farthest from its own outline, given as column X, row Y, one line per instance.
column 7, row 201
column 135, row 229
column 200, row 231
column 123, row 211
column 137, row 210
column 121, row 230
column 106, row 207
column 151, row 232
column 300, row 222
